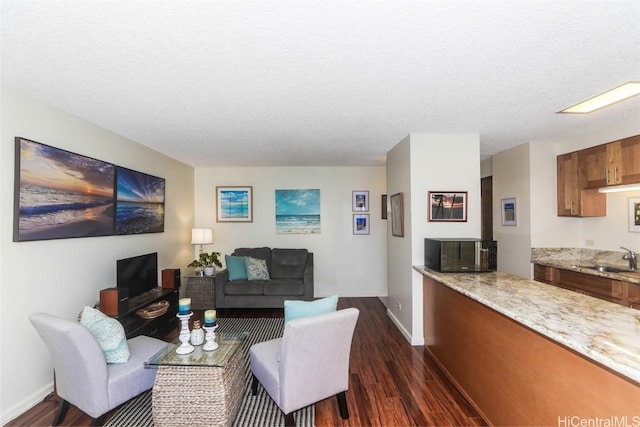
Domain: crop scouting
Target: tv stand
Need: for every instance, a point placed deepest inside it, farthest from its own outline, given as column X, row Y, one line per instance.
column 159, row 327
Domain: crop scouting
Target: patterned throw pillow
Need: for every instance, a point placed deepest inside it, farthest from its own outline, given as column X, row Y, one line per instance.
column 256, row 269
column 108, row 332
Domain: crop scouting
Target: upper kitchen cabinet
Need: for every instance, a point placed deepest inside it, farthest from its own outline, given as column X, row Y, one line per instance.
column 615, row 163
column 573, row 198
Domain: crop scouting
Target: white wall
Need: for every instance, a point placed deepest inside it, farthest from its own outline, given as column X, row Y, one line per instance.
column 435, row 162
column 62, row 276
column 345, row 264
column 511, row 180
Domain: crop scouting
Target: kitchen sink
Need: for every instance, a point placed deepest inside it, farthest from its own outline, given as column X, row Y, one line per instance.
column 608, row 269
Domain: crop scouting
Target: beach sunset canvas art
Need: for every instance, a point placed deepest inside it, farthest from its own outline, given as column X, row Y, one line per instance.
column 139, row 202
column 59, row 194
column 298, row 211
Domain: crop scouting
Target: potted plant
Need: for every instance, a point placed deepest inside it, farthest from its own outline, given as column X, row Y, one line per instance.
column 206, row 261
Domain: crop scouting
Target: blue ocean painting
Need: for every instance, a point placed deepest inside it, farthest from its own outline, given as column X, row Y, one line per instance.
column 234, row 204
column 62, row 194
column 139, row 202
column 298, row 211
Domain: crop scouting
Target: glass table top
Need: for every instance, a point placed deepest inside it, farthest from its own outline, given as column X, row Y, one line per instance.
column 228, row 344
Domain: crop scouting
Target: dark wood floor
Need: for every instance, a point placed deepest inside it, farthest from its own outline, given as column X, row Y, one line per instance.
column 391, row 383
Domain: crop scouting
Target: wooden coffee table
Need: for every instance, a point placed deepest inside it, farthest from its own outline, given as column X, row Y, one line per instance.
column 199, row 388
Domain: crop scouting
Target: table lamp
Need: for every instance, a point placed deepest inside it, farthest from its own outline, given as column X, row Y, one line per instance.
column 201, row 236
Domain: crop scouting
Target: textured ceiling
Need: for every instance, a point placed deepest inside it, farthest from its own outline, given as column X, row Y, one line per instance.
column 302, row 83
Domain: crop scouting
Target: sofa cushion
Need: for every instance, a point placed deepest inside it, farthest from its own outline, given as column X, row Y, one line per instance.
column 259, row 253
column 297, row 309
column 284, row 287
column 236, row 266
column 288, row 263
column 245, row 287
column 256, row 269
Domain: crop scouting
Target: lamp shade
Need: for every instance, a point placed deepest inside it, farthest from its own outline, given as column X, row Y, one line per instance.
column 201, row 236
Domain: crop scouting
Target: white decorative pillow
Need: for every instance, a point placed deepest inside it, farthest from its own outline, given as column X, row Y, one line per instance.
column 108, row 332
column 256, row 269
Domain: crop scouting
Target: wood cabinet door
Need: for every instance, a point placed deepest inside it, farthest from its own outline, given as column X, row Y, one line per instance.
column 594, row 164
column 629, row 164
column 567, row 182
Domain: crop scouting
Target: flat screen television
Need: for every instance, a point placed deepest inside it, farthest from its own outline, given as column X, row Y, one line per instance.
column 138, row 274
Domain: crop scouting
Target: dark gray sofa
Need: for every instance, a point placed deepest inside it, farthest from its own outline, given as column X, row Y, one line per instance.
column 291, row 273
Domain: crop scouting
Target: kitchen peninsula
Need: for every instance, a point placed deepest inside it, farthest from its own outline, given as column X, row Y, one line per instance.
column 526, row 353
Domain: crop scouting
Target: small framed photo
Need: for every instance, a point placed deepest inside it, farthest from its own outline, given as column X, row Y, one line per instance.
column 397, row 215
column 447, row 206
column 634, row 214
column 234, row 204
column 360, row 201
column 509, row 212
column 360, row 223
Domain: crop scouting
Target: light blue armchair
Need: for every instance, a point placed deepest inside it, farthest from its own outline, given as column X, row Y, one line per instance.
column 308, row 364
column 83, row 377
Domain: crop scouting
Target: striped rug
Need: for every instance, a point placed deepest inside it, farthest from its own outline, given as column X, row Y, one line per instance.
column 255, row 411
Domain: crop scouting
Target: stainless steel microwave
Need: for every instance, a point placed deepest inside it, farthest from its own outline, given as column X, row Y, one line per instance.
column 461, row 255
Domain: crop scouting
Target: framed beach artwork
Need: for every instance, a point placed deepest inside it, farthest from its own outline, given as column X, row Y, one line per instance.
column 234, row 204
column 298, row 211
column 360, row 201
column 509, row 212
column 447, row 206
column 360, row 223
column 634, row 214
column 397, row 215
column 59, row 194
column 139, row 202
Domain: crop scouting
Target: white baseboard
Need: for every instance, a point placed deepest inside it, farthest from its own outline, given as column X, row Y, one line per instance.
column 29, row 402
column 412, row 340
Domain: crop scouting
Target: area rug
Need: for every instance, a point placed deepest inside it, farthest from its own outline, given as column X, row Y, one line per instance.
column 255, row 411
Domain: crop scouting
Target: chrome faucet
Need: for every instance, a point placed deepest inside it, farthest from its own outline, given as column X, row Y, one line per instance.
column 631, row 256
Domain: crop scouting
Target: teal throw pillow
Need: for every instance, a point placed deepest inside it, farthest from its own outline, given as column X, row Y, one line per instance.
column 108, row 332
column 296, row 309
column 256, row 269
column 236, row 266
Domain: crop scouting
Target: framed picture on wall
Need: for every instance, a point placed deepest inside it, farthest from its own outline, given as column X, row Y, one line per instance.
column 397, row 215
column 234, row 204
column 139, row 202
column 360, row 201
column 360, row 223
column 59, row 194
column 384, row 207
column 509, row 212
column 447, row 206
column 634, row 214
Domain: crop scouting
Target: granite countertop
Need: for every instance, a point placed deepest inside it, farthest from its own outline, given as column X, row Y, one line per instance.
column 575, row 260
column 604, row 332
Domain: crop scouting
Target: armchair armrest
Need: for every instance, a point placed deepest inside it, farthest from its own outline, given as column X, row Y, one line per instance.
column 220, row 280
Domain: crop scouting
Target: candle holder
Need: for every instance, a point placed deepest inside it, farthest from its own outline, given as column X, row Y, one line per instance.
column 210, row 338
column 185, row 335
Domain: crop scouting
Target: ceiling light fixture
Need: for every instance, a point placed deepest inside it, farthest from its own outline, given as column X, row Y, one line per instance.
column 618, row 188
column 610, row 97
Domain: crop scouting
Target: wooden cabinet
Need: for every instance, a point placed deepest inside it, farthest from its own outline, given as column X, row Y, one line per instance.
column 630, row 160
column 633, row 296
column 158, row 327
column 573, row 199
column 616, row 291
column 615, row 163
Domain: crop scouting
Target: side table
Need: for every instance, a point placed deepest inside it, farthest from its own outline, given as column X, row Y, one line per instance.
column 201, row 290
